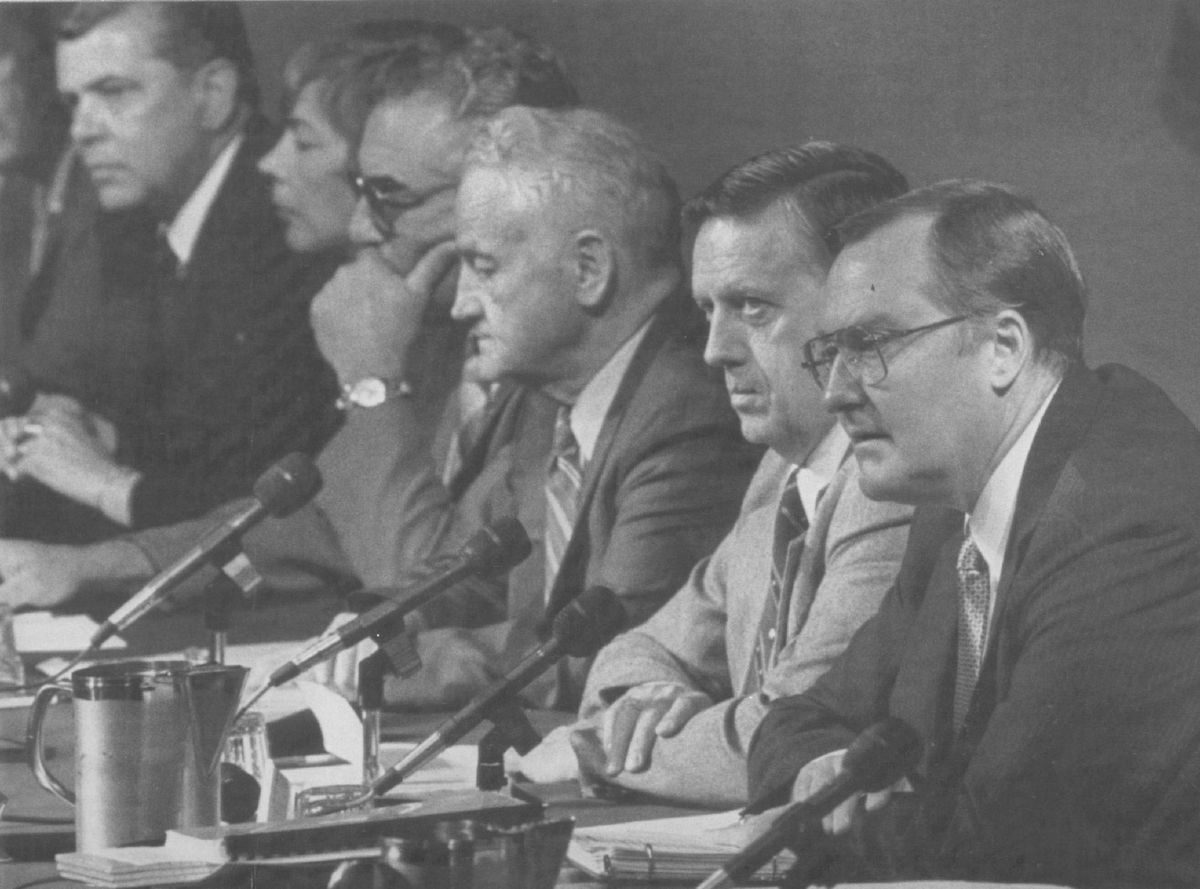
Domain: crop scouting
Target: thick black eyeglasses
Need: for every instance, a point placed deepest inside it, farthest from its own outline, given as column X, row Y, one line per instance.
column 860, row 349
column 388, row 199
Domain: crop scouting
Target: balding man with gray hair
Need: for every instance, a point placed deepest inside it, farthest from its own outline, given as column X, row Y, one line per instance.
column 603, row 434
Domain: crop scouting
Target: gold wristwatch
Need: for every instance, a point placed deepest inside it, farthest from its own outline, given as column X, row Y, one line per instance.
column 372, row 392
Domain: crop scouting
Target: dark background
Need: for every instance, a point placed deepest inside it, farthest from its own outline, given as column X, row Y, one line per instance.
column 1092, row 107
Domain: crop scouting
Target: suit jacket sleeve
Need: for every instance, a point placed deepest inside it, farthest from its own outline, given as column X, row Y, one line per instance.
column 1099, row 619
column 687, row 642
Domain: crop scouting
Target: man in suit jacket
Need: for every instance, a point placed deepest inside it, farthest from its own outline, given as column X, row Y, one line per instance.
column 1041, row 635
column 570, row 283
column 678, row 698
column 174, row 348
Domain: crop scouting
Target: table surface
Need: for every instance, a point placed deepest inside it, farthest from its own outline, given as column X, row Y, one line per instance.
column 33, row 843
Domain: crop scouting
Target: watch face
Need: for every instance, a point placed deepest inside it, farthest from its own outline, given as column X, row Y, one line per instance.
column 370, row 392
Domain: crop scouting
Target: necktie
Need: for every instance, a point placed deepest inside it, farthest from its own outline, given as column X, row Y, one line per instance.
column 974, row 600
column 790, row 525
column 563, row 483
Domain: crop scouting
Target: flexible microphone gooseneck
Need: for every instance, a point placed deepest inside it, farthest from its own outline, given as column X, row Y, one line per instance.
column 490, row 551
column 579, row 630
column 281, row 490
column 875, row 760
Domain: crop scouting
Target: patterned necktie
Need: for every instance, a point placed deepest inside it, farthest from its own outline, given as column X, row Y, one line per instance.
column 790, row 525
column 974, row 601
column 563, row 483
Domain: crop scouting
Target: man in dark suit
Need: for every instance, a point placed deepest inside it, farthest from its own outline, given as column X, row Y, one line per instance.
column 170, row 329
column 605, row 434
column 1041, row 635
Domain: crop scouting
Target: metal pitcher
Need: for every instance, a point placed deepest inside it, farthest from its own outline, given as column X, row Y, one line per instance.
column 148, row 739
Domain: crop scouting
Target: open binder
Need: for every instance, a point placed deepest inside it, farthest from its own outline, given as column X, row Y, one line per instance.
column 668, row 849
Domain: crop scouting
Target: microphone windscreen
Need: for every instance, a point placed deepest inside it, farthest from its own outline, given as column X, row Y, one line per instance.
column 17, row 391
column 882, row 753
column 287, row 485
column 589, row 621
column 498, row 547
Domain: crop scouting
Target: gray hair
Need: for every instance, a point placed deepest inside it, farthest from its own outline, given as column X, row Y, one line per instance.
column 601, row 165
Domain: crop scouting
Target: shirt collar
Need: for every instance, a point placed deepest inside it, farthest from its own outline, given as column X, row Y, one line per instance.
column 990, row 523
column 820, row 466
column 591, row 407
column 184, row 229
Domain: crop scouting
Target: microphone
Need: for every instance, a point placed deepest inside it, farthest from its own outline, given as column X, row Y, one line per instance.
column 876, row 759
column 281, row 490
column 491, row 550
column 579, row 630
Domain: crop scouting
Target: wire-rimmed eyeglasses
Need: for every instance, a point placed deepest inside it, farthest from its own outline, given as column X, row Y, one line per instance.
column 861, row 351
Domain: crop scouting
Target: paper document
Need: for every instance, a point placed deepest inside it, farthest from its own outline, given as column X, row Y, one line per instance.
column 41, row 632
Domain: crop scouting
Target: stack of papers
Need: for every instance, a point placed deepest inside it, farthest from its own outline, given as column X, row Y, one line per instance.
column 679, row 849
column 133, row 866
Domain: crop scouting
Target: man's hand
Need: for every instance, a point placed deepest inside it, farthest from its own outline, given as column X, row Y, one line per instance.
column 818, row 773
column 553, row 759
column 643, row 714
column 42, row 575
column 70, row 451
column 366, row 317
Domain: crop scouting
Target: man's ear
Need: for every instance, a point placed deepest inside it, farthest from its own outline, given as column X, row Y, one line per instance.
column 217, row 83
column 1012, row 348
column 595, row 270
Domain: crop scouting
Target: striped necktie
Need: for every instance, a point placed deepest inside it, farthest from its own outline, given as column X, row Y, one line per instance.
column 974, row 603
column 563, row 483
column 790, row 526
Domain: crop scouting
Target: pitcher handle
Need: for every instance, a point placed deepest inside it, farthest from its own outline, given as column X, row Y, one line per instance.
column 33, row 742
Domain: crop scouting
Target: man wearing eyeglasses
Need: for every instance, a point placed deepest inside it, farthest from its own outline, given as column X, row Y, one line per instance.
column 1041, row 635
column 670, row 706
column 604, row 434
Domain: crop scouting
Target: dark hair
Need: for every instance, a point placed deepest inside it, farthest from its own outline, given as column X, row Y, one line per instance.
column 190, row 35
column 512, row 68
column 478, row 72
column 356, row 68
column 823, row 183
column 993, row 249
column 27, row 34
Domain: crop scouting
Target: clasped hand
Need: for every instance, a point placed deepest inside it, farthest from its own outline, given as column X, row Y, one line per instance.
column 61, row 445
column 818, row 773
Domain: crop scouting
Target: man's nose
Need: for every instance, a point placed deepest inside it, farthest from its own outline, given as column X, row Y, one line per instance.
column 466, row 297
column 87, row 122
column 363, row 230
column 843, row 389
column 725, row 346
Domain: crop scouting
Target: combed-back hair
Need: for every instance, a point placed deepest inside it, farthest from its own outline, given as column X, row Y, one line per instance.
column 190, row 35
column 993, row 249
column 820, row 183
column 356, row 68
column 476, row 72
column 607, row 171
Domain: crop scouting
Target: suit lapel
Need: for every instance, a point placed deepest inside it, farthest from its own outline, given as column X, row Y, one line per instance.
column 570, row 574
column 1065, row 422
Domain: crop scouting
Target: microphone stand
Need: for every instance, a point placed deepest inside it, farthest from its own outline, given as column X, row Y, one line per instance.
column 237, row 579
column 510, row 728
column 371, row 673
